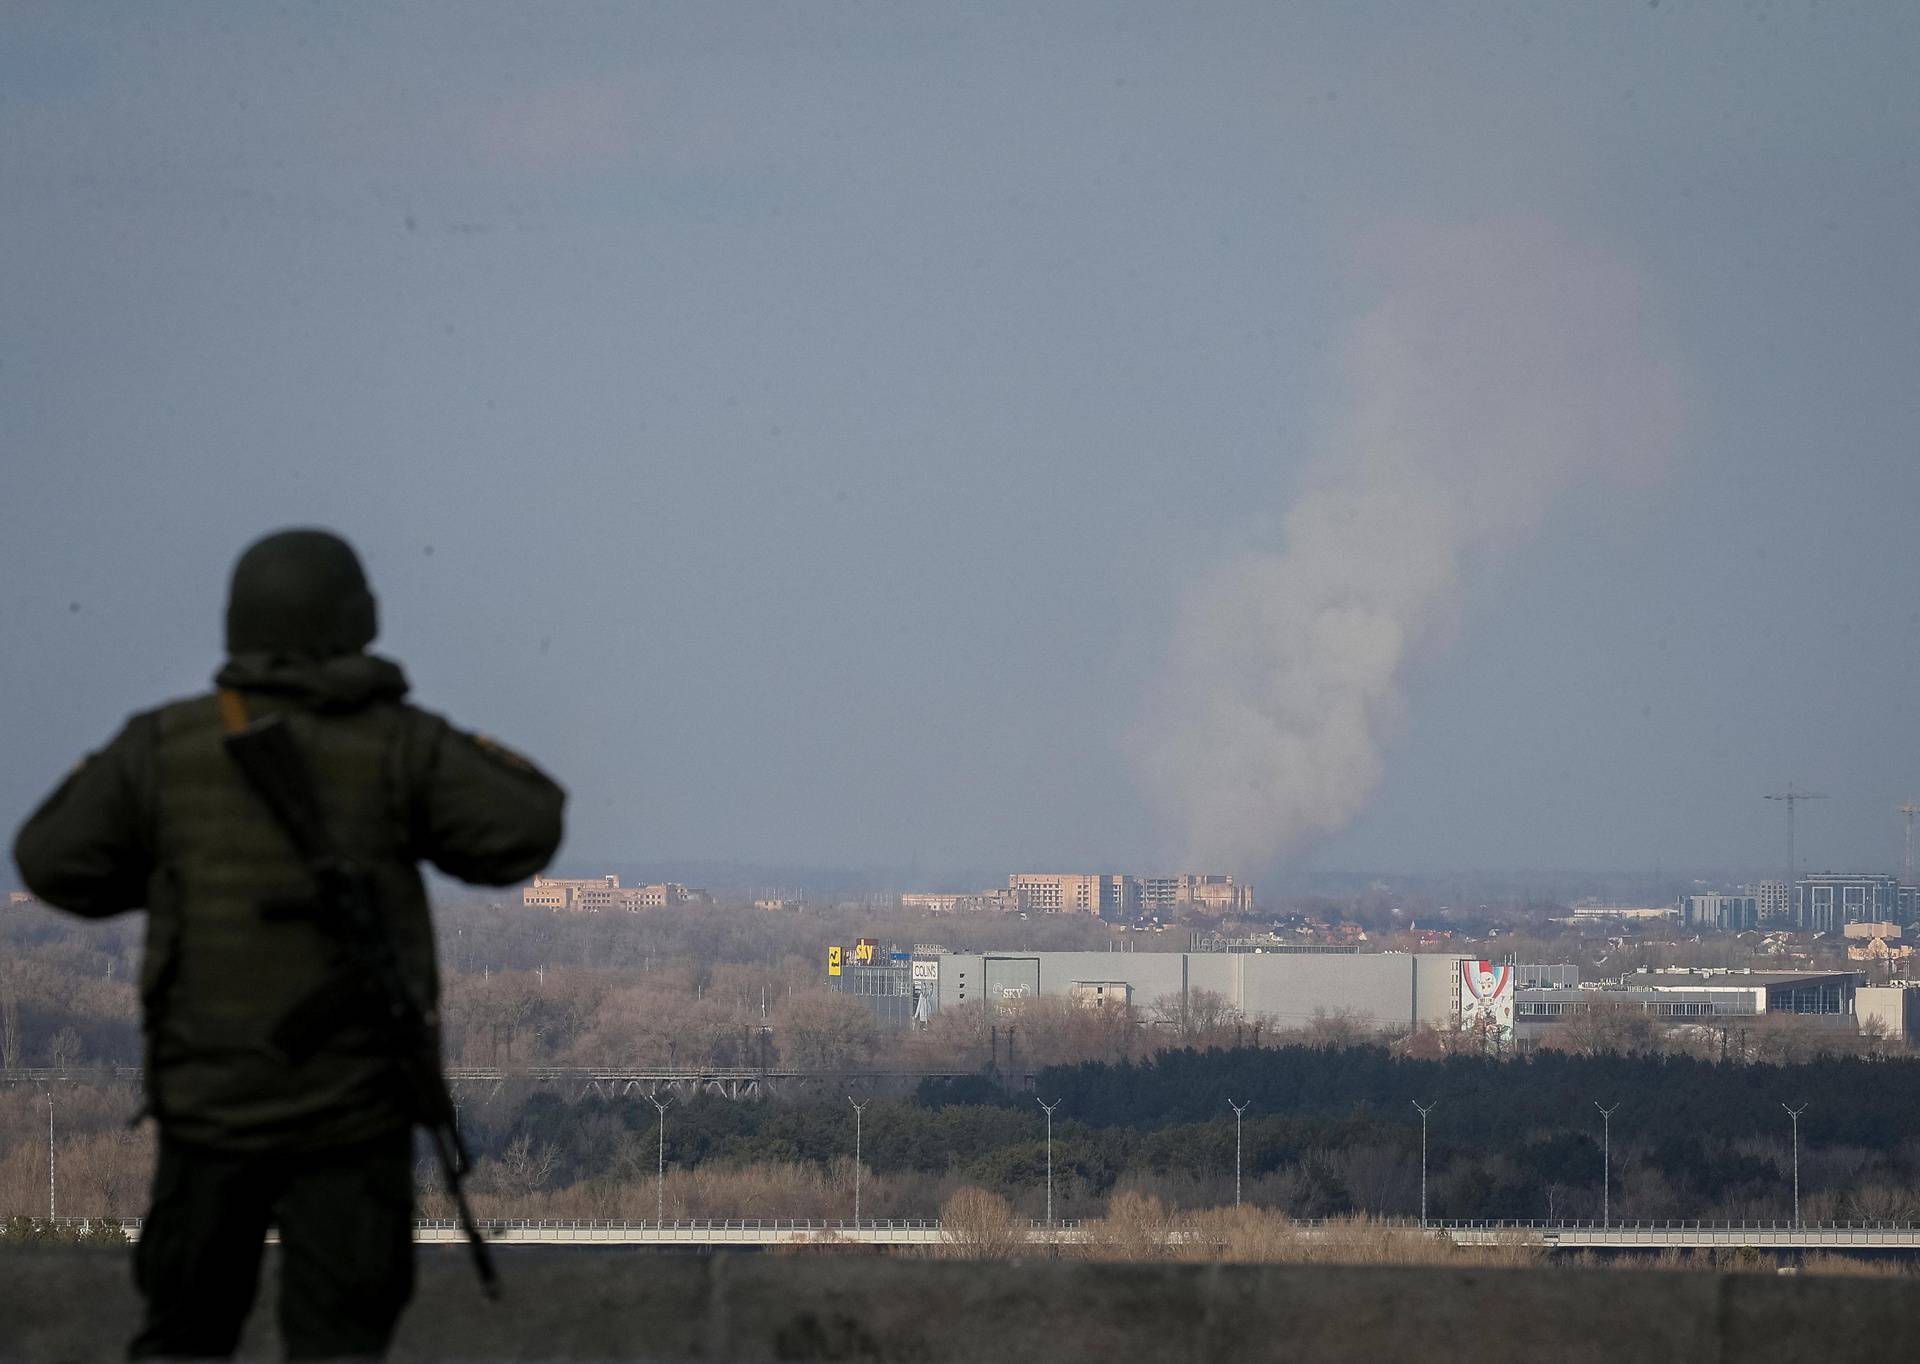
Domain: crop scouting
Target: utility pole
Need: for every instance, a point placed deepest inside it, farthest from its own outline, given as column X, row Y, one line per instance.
column 858, row 1109
column 1048, row 1108
column 1606, row 1164
column 1795, row 1113
column 1792, row 798
column 1423, row 1156
column 1910, row 809
column 660, row 1164
column 49, row 1153
column 1238, row 1110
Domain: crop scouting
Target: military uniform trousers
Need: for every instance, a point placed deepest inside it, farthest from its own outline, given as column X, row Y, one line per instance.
column 345, row 1218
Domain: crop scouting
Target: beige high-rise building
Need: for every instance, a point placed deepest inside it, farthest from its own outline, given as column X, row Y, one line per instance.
column 1055, row 893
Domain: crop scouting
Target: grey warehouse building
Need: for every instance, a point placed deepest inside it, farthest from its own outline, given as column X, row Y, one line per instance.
column 1389, row 990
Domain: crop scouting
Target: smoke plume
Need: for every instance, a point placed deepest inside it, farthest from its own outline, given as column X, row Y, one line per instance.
column 1498, row 367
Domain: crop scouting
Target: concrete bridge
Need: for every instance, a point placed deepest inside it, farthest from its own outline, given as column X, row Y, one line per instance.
column 770, row 1233
column 578, row 1082
column 727, row 1082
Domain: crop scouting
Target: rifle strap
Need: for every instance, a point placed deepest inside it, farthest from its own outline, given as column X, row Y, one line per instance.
column 233, row 710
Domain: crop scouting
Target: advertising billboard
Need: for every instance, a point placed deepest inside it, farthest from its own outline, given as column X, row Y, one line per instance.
column 1486, row 1000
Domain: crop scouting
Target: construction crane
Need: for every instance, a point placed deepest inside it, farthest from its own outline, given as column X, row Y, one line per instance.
column 1792, row 798
column 1909, row 810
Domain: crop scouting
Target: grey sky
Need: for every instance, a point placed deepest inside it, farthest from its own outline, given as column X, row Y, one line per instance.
column 799, row 426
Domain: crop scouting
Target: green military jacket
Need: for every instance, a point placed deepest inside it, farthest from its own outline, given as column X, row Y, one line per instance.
column 163, row 819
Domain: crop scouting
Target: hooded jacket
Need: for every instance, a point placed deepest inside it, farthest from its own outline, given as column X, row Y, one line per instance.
column 162, row 819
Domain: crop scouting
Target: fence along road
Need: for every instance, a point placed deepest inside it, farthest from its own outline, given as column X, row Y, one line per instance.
column 760, row 1233
column 1553, row 1236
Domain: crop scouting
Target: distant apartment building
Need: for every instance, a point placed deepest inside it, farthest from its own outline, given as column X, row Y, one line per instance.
column 1829, row 901
column 1118, row 896
column 605, row 893
column 1213, row 894
column 1721, row 913
column 1054, row 893
column 1771, row 896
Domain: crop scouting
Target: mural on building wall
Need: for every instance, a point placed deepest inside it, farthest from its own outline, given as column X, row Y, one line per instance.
column 1486, row 1000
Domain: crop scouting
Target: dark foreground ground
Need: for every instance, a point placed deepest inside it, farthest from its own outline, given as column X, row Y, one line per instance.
column 63, row 1304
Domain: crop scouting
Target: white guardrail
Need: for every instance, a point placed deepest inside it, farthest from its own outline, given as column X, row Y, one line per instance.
column 764, row 1232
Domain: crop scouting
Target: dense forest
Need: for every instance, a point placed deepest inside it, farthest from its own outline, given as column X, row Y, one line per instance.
column 1326, row 1132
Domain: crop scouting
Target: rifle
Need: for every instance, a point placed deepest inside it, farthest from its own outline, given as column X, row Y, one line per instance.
column 270, row 761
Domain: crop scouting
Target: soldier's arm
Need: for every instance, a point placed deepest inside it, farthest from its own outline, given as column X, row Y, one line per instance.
column 485, row 814
column 86, row 848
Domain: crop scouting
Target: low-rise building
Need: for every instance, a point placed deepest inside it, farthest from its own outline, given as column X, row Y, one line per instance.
column 1588, row 915
column 607, row 894
column 552, row 892
column 1683, row 996
column 1892, row 1010
column 1884, row 951
column 980, row 902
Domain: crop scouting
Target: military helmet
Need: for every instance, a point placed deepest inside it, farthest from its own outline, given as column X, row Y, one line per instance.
column 300, row 593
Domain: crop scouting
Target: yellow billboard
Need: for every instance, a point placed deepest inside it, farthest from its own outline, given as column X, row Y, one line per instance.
column 833, row 961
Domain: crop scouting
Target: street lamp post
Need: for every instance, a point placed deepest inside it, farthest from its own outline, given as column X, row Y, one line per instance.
column 1423, row 1155
column 1606, row 1164
column 858, row 1109
column 1048, row 1108
column 660, row 1162
column 1795, row 1113
column 1238, row 1111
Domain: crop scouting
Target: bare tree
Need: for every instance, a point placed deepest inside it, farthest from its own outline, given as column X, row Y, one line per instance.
column 981, row 1225
column 9, row 1023
column 66, row 1048
column 526, row 1166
